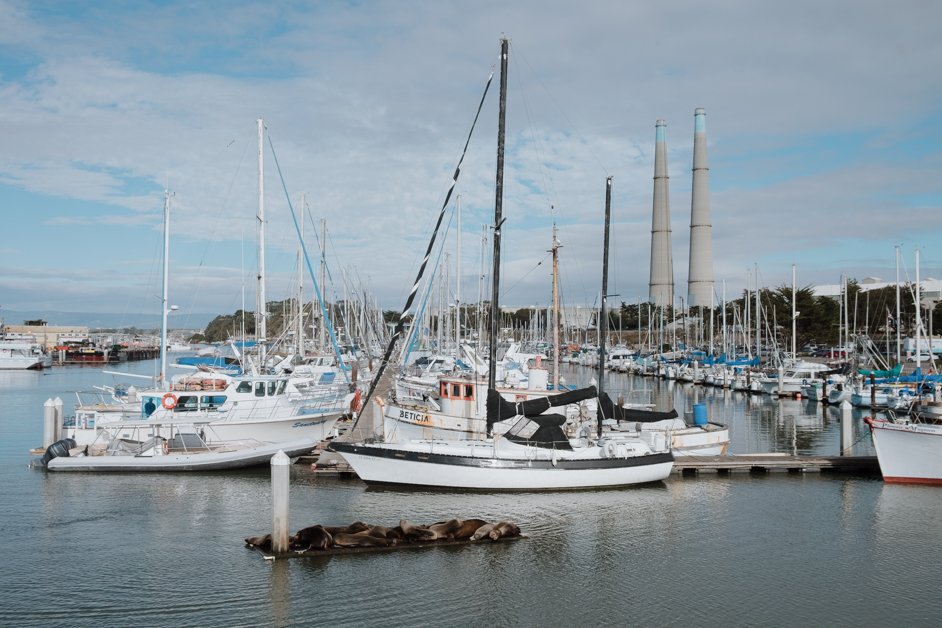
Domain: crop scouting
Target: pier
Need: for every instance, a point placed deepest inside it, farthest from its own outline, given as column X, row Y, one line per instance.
column 692, row 466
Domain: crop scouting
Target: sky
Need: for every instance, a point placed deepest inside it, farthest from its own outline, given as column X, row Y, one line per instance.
column 822, row 118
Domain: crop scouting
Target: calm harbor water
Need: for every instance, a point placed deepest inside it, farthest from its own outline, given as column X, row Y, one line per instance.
column 775, row 550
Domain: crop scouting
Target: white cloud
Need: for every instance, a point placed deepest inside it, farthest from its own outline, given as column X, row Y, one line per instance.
column 367, row 107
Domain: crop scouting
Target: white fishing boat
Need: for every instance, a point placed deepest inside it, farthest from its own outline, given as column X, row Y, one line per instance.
column 263, row 408
column 21, row 355
column 141, row 447
column 908, row 452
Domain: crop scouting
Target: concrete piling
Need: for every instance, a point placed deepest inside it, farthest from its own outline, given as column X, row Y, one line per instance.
column 60, row 417
column 280, row 473
column 49, row 423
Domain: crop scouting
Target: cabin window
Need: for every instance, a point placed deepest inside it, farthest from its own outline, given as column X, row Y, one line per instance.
column 456, row 390
column 259, row 389
column 444, row 390
column 244, row 387
column 468, row 391
column 186, row 403
column 281, row 387
column 211, row 402
column 271, row 388
column 150, row 404
column 328, row 377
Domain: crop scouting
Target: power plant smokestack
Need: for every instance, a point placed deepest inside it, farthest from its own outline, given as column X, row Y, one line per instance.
column 661, row 285
column 700, row 272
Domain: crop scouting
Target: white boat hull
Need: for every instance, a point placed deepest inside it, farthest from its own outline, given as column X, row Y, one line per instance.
column 218, row 459
column 310, row 427
column 909, row 453
column 446, row 465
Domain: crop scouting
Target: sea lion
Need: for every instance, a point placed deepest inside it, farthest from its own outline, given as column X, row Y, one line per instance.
column 394, row 534
column 342, row 539
column 313, row 537
column 445, row 530
column 483, row 531
column 504, row 529
column 468, row 527
column 261, row 542
column 413, row 532
column 353, row 528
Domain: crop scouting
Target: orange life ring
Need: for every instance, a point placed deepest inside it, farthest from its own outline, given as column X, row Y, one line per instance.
column 169, row 402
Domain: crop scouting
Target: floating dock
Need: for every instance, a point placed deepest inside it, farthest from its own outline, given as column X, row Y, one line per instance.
column 689, row 466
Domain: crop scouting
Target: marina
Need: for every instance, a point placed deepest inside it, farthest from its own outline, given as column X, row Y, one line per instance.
column 674, row 436
column 797, row 533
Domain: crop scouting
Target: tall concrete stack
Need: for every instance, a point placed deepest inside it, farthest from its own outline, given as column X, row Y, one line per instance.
column 700, row 272
column 661, row 285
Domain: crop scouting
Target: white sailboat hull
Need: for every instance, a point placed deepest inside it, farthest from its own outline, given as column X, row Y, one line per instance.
column 909, row 453
column 501, row 467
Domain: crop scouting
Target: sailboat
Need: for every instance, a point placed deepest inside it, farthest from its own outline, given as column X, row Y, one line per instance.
column 534, row 453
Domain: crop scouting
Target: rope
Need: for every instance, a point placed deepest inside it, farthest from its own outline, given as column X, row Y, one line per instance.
column 415, row 285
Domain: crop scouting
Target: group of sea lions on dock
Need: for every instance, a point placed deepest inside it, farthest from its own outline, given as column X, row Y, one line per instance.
column 359, row 534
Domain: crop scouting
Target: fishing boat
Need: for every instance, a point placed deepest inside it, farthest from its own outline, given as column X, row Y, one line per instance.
column 909, row 452
column 21, row 356
column 534, row 453
column 264, row 408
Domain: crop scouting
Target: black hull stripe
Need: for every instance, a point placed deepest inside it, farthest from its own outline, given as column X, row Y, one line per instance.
column 498, row 463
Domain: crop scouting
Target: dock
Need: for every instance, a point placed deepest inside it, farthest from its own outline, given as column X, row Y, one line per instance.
column 692, row 466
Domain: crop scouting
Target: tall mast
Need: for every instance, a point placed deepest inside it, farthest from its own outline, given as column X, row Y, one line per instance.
column 758, row 319
column 918, row 318
column 261, row 330
column 555, row 251
column 794, row 315
column 603, row 313
column 301, row 284
column 162, row 379
column 899, row 352
column 498, row 220
column 322, row 332
column 458, row 279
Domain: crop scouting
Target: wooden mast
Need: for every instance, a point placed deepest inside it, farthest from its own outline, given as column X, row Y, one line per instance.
column 603, row 313
column 498, row 221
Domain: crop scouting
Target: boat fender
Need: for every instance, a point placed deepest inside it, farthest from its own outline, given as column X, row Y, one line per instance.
column 169, row 401
column 166, row 447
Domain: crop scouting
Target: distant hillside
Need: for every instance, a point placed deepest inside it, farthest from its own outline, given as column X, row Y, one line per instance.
column 95, row 320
